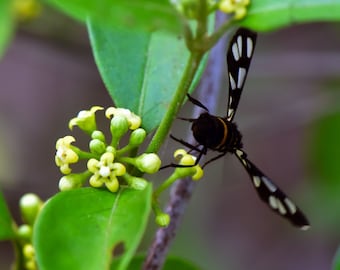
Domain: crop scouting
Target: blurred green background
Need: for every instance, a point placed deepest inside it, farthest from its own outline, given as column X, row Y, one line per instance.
column 289, row 115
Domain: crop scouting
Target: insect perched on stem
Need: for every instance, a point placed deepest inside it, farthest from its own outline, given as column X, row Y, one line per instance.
column 221, row 134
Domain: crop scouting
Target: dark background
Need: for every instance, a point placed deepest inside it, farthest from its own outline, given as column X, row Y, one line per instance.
column 48, row 74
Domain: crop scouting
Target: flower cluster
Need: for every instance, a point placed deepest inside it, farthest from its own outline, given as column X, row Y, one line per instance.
column 238, row 7
column 106, row 162
column 110, row 165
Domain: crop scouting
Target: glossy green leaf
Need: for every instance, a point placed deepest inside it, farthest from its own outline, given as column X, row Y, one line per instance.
column 141, row 70
column 171, row 263
column 6, row 24
column 6, row 225
column 81, row 229
column 265, row 15
column 139, row 14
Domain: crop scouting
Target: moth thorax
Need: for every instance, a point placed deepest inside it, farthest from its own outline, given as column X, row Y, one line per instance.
column 209, row 130
column 234, row 139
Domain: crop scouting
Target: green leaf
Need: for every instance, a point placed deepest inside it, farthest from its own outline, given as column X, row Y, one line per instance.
column 265, row 15
column 80, row 229
column 6, row 24
column 171, row 263
column 141, row 14
column 336, row 260
column 141, row 70
column 323, row 153
column 324, row 150
column 6, row 223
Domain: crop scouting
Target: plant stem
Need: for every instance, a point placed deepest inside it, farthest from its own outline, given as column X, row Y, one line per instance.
column 181, row 190
column 19, row 257
column 215, row 37
column 192, row 66
column 176, row 102
column 202, row 20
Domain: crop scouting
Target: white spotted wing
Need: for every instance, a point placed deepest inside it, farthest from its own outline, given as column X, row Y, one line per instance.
column 272, row 195
column 239, row 56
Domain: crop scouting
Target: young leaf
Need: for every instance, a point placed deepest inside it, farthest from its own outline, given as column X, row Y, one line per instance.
column 82, row 228
column 6, row 224
column 265, row 15
column 148, row 15
column 6, row 24
column 141, row 70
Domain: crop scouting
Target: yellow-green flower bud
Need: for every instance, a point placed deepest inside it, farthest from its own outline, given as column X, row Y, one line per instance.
column 163, row 219
column 25, row 232
column 30, row 205
column 111, row 149
column 137, row 137
column 28, row 251
column 97, row 147
column 70, row 181
column 149, row 163
column 119, row 126
column 86, row 120
column 134, row 182
column 97, row 134
column 138, row 183
column 30, row 265
column 133, row 119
